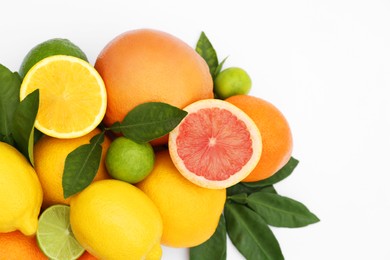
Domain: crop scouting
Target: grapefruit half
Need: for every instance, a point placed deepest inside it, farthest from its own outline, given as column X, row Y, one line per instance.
column 216, row 145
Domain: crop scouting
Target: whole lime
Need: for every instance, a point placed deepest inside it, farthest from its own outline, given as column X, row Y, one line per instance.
column 56, row 46
column 232, row 81
column 129, row 161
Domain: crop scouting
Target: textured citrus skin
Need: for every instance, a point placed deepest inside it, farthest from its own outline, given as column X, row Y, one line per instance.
column 216, row 145
column 48, row 48
column 147, row 65
column 87, row 256
column 275, row 132
column 50, row 154
column 113, row 219
column 16, row 246
column 232, row 81
column 20, row 193
column 190, row 213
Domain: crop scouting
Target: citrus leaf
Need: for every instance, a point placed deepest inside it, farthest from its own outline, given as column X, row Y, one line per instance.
column 215, row 247
column 23, row 124
column 250, row 234
column 149, row 121
column 240, row 188
column 280, row 175
column 281, row 211
column 208, row 53
column 240, row 198
column 219, row 67
column 9, row 100
column 81, row 166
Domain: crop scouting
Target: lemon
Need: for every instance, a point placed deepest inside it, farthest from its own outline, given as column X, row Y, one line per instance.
column 113, row 219
column 155, row 253
column 48, row 48
column 190, row 213
column 20, row 193
column 72, row 96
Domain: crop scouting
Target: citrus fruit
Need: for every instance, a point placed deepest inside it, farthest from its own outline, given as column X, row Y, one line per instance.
column 113, row 219
column 72, row 96
column 49, row 157
column 87, row 256
column 275, row 131
column 54, row 235
column 48, row 48
column 232, row 81
column 20, row 193
column 129, row 161
column 190, row 213
column 15, row 246
column 148, row 65
column 216, row 145
column 155, row 253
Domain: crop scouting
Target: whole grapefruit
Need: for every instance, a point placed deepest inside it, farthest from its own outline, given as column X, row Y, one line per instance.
column 147, row 65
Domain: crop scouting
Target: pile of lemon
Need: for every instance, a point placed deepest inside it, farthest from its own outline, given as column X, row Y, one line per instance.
column 114, row 218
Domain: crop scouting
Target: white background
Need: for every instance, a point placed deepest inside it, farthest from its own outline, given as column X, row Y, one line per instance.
column 324, row 64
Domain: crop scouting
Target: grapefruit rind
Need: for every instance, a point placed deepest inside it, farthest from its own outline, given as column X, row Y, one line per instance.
column 246, row 169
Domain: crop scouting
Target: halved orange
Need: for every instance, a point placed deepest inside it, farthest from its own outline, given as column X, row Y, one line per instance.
column 72, row 95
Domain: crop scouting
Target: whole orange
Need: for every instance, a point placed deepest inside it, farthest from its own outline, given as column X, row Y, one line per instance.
column 49, row 156
column 148, row 65
column 15, row 246
column 275, row 132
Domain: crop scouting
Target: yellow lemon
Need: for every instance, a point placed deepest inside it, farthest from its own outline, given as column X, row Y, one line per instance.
column 190, row 213
column 155, row 253
column 115, row 220
column 72, row 96
column 20, row 193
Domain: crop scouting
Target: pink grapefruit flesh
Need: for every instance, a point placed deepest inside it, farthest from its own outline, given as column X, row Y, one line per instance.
column 216, row 145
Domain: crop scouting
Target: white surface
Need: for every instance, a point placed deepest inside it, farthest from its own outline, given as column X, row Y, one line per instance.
column 325, row 64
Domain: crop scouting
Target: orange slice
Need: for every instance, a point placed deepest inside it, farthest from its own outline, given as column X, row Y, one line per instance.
column 216, row 145
column 72, row 95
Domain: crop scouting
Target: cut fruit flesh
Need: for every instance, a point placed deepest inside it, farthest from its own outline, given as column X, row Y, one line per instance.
column 54, row 236
column 216, row 145
column 72, row 96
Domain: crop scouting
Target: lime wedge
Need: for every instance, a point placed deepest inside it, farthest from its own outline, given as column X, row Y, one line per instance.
column 54, row 235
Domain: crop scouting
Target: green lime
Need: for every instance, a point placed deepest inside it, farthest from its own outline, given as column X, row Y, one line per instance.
column 48, row 48
column 129, row 161
column 54, row 235
column 232, row 81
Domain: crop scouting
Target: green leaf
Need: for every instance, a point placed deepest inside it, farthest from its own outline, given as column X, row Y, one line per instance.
column 281, row 211
column 277, row 177
column 9, row 100
column 250, row 234
column 241, row 187
column 81, row 166
column 23, row 124
column 208, row 53
column 149, row 121
column 219, row 67
column 214, row 248
column 240, row 198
